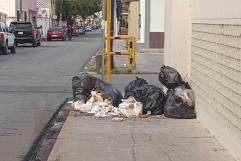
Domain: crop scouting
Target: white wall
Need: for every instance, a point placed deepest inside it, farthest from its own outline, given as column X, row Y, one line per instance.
column 178, row 35
column 157, row 15
column 143, row 20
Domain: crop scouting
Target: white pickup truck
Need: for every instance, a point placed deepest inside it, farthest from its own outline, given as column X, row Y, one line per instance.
column 7, row 39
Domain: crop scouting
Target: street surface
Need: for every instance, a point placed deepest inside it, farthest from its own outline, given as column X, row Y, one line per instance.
column 34, row 82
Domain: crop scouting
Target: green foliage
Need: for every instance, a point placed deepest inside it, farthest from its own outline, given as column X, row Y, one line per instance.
column 83, row 8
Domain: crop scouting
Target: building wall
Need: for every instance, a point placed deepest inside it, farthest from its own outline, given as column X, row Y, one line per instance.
column 144, row 17
column 29, row 10
column 157, row 23
column 203, row 40
column 48, row 21
column 8, row 7
column 145, row 24
column 134, row 19
column 216, row 69
column 178, row 35
column 3, row 17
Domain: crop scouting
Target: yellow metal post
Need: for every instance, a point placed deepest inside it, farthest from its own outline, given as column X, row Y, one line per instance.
column 108, row 44
column 134, row 52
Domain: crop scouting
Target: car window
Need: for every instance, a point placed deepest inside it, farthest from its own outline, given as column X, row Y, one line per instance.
column 20, row 26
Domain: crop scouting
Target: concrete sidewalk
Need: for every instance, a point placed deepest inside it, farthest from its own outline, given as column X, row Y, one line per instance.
column 86, row 138
column 143, row 60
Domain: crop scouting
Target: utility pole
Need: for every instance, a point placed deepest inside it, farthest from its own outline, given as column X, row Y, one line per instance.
column 61, row 13
column 21, row 10
column 108, row 44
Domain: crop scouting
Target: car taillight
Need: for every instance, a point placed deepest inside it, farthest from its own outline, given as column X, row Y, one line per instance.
column 34, row 33
column 1, row 36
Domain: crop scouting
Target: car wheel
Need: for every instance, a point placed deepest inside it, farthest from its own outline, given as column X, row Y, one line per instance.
column 5, row 50
column 48, row 39
column 39, row 43
column 35, row 43
column 16, row 44
column 13, row 49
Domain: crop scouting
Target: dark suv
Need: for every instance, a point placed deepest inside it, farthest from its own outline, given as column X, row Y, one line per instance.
column 25, row 32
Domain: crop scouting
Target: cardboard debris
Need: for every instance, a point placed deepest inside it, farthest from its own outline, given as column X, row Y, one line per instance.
column 101, row 106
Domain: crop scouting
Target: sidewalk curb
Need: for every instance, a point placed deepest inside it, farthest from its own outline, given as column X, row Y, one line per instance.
column 32, row 153
column 84, row 68
column 54, row 154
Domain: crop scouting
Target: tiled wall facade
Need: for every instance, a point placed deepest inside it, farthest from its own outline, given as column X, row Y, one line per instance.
column 216, row 73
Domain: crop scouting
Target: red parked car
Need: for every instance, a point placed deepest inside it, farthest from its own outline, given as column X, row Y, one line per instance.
column 56, row 33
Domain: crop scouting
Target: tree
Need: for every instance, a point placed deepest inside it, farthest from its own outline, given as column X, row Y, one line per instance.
column 83, row 8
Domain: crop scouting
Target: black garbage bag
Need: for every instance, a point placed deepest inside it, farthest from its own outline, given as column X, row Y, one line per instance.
column 82, row 86
column 138, row 82
column 108, row 90
column 170, row 77
column 177, row 109
column 152, row 98
column 84, row 83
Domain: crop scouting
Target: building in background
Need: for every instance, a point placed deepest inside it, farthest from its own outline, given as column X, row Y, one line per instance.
column 26, row 10
column 143, row 20
column 3, row 17
column 8, row 8
column 46, row 14
column 17, row 10
column 203, row 43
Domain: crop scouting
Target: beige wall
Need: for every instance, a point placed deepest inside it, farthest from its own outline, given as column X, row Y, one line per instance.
column 203, row 37
column 216, row 69
column 216, row 9
column 178, row 35
column 133, row 19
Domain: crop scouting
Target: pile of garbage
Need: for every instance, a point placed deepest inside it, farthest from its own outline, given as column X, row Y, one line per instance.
column 96, row 97
column 180, row 102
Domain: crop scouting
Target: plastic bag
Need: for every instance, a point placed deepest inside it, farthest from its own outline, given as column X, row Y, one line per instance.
column 134, row 84
column 110, row 91
column 82, row 86
column 187, row 95
column 152, row 98
column 170, row 77
column 84, row 83
column 176, row 108
column 130, row 107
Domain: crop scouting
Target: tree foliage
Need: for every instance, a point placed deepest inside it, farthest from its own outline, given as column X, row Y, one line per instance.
column 83, row 8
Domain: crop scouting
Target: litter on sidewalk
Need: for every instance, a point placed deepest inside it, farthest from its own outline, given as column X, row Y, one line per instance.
column 102, row 107
column 103, row 99
column 96, row 97
column 84, row 83
column 152, row 97
column 180, row 102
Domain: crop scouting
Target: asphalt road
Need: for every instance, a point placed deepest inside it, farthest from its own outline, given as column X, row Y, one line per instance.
column 33, row 83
